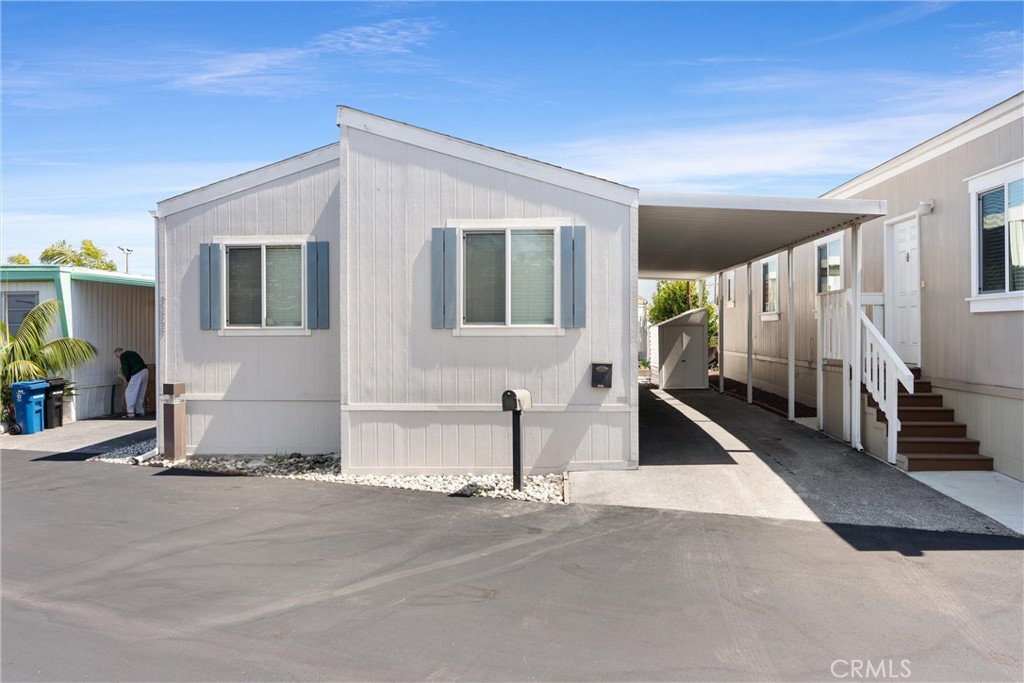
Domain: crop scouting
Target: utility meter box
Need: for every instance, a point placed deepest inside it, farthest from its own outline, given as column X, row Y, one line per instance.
column 516, row 399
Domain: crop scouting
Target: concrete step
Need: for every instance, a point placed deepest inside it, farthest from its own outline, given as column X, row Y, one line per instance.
column 943, row 462
column 931, row 444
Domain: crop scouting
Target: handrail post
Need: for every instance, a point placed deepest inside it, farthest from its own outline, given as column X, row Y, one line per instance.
column 857, row 338
column 892, row 414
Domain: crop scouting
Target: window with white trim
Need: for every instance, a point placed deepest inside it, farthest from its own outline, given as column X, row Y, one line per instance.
column 997, row 239
column 16, row 307
column 830, row 265
column 770, row 285
column 508, row 277
column 1001, row 239
column 264, row 285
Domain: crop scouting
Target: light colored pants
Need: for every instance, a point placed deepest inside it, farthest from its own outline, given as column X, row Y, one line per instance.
column 136, row 392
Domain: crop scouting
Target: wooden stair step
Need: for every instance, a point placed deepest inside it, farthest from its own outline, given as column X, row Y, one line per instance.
column 943, row 462
column 936, row 428
column 915, row 371
column 920, row 400
column 929, row 444
column 921, row 386
column 926, row 414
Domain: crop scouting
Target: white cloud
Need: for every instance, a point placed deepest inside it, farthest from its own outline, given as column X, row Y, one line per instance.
column 903, row 14
column 804, row 150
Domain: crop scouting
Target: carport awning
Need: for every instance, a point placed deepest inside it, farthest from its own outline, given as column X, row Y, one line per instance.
column 689, row 236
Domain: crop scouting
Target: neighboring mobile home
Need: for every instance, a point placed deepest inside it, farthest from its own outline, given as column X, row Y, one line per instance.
column 375, row 297
column 942, row 279
column 106, row 309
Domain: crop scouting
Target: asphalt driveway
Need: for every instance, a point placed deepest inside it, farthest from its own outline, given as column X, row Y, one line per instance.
column 118, row 573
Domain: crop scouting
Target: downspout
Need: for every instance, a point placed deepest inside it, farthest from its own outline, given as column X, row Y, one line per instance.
column 158, row 313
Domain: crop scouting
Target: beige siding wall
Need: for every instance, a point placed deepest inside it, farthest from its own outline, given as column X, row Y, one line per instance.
column 109, row 315
column 974, row 359
column 253, row 394
column 423, row 398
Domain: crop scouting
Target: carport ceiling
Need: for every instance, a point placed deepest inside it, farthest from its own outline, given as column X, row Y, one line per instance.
column 689, row 236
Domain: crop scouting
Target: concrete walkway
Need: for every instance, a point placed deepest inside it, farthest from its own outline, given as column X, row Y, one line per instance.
column 704, row 452
column 82, row 439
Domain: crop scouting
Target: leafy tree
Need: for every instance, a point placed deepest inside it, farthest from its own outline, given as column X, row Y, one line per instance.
column 678, row 296
column 88, row 255
column 18, row 260
column 27, row 355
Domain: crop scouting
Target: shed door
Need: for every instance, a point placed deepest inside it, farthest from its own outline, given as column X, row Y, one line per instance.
column 906, row 279
column 685, row 364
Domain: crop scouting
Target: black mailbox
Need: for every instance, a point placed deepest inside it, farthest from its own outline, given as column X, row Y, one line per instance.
column 516, row 399
column 601, row 375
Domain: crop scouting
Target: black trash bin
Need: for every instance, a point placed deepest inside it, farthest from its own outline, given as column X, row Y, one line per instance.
column 53, row 406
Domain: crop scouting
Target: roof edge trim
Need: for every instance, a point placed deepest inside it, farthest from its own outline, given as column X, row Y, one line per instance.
column 248, row 180
column 488, row 156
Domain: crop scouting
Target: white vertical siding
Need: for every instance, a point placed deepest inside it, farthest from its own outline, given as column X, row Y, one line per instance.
column 422, row 399
column 253, row 394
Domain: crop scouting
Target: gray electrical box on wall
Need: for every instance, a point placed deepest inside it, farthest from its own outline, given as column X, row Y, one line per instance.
column 601, row 375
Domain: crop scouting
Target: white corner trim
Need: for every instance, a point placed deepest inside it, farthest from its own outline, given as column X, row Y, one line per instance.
column 996, row 303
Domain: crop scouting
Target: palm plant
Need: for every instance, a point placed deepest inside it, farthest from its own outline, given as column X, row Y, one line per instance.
column 27, row 355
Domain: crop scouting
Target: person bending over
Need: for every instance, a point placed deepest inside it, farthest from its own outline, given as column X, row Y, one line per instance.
column 134, row 370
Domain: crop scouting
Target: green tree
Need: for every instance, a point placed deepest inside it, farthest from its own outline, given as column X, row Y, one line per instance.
column 678, row 296
column 18, row 260
column 27, row 355
column 88, row 255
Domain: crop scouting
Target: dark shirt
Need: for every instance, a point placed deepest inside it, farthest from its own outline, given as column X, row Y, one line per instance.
column 131, row 363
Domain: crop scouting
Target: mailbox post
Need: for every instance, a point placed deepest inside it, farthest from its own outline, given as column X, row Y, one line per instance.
column 516, row 401
column 174, row 421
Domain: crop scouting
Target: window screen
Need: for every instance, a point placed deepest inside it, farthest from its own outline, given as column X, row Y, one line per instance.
column 16, row 307
column 245, row 285
column 284, row 286
column 533, row 277
column 485, row 278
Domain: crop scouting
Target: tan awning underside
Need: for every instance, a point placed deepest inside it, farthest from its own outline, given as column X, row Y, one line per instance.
column 689, row 236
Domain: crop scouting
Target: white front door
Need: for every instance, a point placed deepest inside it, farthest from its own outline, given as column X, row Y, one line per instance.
column 906, row 291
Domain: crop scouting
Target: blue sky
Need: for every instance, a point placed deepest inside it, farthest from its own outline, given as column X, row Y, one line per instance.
column 110, row 107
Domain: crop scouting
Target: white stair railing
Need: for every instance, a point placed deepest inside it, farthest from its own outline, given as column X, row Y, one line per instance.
column 833, row 336
column 881, row 370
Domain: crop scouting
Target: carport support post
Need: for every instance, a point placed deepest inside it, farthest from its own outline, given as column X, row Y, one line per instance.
column 750, row 334
column 855, row 333
column 791, row 356
column 720, row 295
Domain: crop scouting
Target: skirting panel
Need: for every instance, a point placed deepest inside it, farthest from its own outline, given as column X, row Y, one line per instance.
column 262, row 427
column 465, row 441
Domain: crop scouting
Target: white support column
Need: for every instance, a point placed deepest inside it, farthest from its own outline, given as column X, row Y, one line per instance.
column 819, row 371
column 750, row 335
column 856, row 339
column 791, row 334
column 720, row 295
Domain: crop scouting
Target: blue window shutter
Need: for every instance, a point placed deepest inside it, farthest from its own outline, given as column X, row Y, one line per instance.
column 451, row 309
column 317, row 285
column 579, row 272
column 323, row 285
column 209, row 286
column 566, row 280
column 216, row 297
column 204, row 286
column 437, row 278
column 311, row 286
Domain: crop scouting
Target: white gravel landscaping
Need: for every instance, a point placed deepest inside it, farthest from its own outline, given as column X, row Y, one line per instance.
column 540, row 488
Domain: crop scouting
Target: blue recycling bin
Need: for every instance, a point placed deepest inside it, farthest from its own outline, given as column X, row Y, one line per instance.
column 29, row 403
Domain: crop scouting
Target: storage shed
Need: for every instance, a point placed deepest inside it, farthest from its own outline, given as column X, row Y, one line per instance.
column 106, row 309
column 679, row 351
